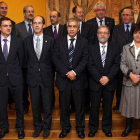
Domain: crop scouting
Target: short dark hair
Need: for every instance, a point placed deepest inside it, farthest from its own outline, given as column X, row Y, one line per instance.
column 74, row 9
column 43, row 20
column 136, row 28
column 4, row 18
column 58, row 14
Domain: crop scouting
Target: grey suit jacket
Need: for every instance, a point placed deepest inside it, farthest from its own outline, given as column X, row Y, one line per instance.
column 20, row 30
column 129, row 64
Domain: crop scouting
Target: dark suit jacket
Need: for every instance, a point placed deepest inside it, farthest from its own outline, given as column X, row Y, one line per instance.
column 44, row 64
column 20, row 30
column 48, row 31
column 111, row 68
column 61, row 61
column 87, row 32
column 14, row 63
column 108, row 21
column 119, row 35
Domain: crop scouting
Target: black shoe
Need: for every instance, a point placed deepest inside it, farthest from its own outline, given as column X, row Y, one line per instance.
column 116, row 108
column 21, row 134
column 81, row 134
column 36, row 133
column 46, row 133
column 3, row 132
column 108, row 133
column 64, row 133
column 26, row 110
column 139, row 136
column 91, row 133
column 126, row 131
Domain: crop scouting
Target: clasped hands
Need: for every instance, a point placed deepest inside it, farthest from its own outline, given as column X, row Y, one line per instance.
column 135, row 78
column 71, row 75
column 104, row 80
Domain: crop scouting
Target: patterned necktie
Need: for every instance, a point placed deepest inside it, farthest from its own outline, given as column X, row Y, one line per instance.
column 55, row 32
column 103, row 57
column 127, row 32
column 71, row 51
column 30, row 29
column 101, row 22
column 38, row 52
column 5, row 49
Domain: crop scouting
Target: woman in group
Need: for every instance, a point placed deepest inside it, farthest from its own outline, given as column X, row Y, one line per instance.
column 130, row 66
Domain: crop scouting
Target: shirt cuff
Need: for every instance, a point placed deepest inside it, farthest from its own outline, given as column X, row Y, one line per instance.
column 74, row 72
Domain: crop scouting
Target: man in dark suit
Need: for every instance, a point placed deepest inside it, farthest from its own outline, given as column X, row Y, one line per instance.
column 55, row 30
column 23, row 30
column 86, row 30
column 122, row 35
column 100, row 19
column 11, row 61
column 70, row 58
column 38, row 51
column 103, row 66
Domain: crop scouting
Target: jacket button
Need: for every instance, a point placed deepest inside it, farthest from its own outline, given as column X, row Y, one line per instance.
column 136, row 67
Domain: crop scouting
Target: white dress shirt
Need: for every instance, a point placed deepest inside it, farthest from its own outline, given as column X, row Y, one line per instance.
column 8, row 42
column 57, row 28
column 101, row 48
column 80, row 26
column 27, row 26
column 98, row 21
column 129, row 28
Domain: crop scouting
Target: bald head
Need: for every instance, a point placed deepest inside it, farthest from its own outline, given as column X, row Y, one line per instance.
column 54, row 17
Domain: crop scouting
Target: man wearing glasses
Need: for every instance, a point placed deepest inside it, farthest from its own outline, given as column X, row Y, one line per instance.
column 100, row 19
column 122, row 34
column 23, row 30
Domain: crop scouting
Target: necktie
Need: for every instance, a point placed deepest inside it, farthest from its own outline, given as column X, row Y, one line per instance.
column 55, row 32
column 127, row 32
column 103, row 57
column 5, row 49
column 30, row 29
column 38, row 52
column 101, row 22
column 71, row 51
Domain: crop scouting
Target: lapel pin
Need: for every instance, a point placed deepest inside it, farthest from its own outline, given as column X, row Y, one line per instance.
column 45, row 40
column 107, row 22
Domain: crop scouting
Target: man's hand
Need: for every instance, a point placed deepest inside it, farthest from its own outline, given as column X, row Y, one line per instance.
column 104, row 80
column 135, row 78
column 71, row 75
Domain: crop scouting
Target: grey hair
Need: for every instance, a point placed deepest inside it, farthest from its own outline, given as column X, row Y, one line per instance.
column 132, row 12
column 74, row 19
column 105, row 27
column 99, row 4
column 24, row 9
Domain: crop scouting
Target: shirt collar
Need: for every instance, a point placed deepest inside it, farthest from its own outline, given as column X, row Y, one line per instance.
column 27, row 22
column 98, row 20
column 128, row 24
column 133, row 44
column 104, row 44
column 68, row 37
column 55, row 25
column 8, row 38
column 40, row 37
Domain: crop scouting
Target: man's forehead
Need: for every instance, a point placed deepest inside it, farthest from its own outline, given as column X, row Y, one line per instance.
column 3, row 4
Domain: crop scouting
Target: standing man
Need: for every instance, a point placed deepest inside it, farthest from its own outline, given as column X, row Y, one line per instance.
column 38, row 51
column 122, row 35
column 23, row 30
column 70, row 58
column 103, row 66
column 55, row 30
column 11, row 61
column 100, row 19
column 85, row 30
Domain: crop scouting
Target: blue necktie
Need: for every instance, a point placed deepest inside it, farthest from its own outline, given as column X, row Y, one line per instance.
column 5, row 49
column 127, row 31
column 71, row 51
column 30, row 29
column 103, row 57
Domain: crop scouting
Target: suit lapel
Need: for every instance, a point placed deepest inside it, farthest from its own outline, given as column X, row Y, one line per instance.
column 132, row 51
column 77, row 45
column 51, row 31
column 83, row 26
column 59, row 31
column 98, row 55
column 23, row 27
column 1, row 53
column 123, row 30
column 130, row 34
column 65, row 46
column 106, row 22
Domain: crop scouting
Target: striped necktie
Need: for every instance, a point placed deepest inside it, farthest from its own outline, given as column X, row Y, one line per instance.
column 103, row 57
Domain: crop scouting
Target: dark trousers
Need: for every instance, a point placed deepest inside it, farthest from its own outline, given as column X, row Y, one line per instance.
column 17, row 94
column 41, row 94
column 26, row 102
column 119, row 88
column 66, row 96
column 107, row 110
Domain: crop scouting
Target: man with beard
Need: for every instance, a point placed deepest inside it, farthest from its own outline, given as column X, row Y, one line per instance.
column 103, row 66
column 23, row 30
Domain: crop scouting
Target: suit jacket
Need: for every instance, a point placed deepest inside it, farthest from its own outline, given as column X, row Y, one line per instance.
column 129, row 64
column 87, row 32
column 108, row 21
column 110, row 69
column 20, row 30
column 48, row 31
column 12, row 67
column 61, row 62
column 119, row 35
column 42, row 66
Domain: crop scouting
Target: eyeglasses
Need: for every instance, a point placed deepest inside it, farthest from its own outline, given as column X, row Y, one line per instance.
column 105, row 33
column 29, row 11
column 74, row 26
column 53, row 16
column 100, row 10
column 6, row 25
column 127, row 15
column 35, row 23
